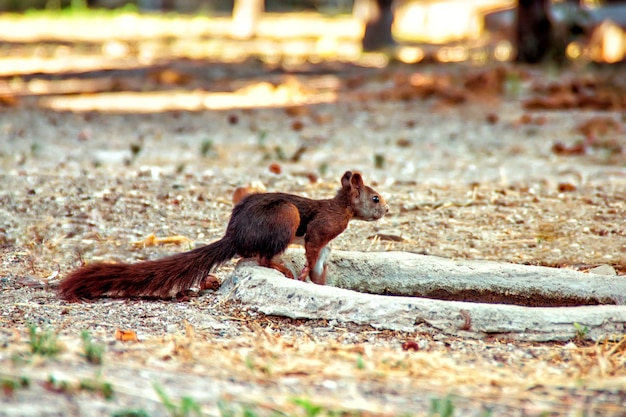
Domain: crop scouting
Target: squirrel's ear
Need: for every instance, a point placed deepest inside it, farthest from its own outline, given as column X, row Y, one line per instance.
column 357, row 181
column 345, row 180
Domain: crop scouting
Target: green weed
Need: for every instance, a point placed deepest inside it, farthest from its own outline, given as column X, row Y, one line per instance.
column 186, row 407
column 262, row 138
column 249, row 412
column 78, row 5
column 9, row 385
column 44, row 343
column 513, row 85
column 135, row 150
column 35, row 149
column 92, row 352
column 131, row 413
column 360, row 362
column 379, row 161
column 441, row 407
column 323, row 168
column 76, row 10
column 581, row 331
column 98, row 386
column 310, row 409
column 206, row 147
column 227, row 409
column 280, row 153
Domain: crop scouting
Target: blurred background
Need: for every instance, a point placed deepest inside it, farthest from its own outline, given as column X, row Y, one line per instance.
column 52, row 36
column 519, row 97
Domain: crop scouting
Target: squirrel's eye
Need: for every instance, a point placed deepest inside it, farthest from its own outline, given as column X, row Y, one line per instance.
column 375, row 199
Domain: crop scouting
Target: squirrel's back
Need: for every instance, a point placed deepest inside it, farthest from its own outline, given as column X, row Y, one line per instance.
column 263, row 225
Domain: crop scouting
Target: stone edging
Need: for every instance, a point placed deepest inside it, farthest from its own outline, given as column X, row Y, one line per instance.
column 271, row 293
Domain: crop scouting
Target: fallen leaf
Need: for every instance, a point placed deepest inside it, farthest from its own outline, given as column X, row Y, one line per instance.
column 492, row 118
column 387, row 237
column 152, row 240
column 126, row 335
column 599, row 126
column 297, row 111
column 410, row 345
column 275, row 168
column 560, row 148
column 403, row 143
column 297, row 125
column 233, row 119
column 566, row 187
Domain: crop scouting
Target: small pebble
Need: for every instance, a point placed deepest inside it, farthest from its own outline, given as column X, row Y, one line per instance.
column 603, row 270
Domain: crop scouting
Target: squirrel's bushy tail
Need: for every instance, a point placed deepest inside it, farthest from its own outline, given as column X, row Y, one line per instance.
column 160, row 278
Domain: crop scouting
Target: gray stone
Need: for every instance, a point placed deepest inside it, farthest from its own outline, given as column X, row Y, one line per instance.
column 365, row 277
column 603, row 270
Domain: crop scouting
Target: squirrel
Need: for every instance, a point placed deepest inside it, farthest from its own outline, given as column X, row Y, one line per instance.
column 261, row 226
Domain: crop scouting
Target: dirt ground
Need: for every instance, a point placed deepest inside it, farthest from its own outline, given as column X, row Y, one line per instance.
column 468, row 173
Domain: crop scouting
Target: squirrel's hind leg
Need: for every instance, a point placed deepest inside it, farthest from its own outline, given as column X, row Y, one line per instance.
column 269, row 263
column 282, row 225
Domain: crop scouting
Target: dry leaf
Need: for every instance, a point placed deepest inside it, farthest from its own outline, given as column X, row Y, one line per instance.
column 126, row 335
column 566, row 187
column 275, row 168
column 297, row 111
column 387, row 237
column 297, row 125
column 233, row 119
column 560, row 148
column 152, row 240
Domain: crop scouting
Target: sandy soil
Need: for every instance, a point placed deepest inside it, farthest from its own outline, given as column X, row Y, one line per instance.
column 476, row 178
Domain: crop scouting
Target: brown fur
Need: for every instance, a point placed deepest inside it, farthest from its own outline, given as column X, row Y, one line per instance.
column 260, row 226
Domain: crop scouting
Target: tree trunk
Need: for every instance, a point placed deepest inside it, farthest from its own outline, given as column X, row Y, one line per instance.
column 534, row 37
column 246, row 14
column 378, row 26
